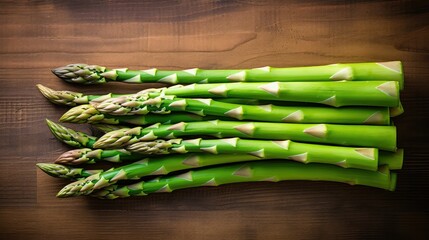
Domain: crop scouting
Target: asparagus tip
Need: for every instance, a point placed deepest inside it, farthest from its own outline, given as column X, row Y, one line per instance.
column 74, row 157
column 82, row 114
column 54, row 170
column 67, row 98
column 110, row 139
column 70, row 190
column 54, row 127
column 81, row 73
column 50, row 123
column 67, row 135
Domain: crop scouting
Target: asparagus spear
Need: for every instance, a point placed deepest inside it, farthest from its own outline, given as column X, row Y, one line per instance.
column 60, row 171
column 348, row 157
column 94, row 74
column 382, row 137
column 272, row 171
column 337, row 94
column 88, row 114
column 363, row 158
column 88, row 156
column 298, row 114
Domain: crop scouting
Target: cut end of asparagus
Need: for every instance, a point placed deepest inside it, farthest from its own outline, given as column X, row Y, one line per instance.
column 396, row 111
column 67, row 135
column 398, row 162
column 393, row 180
column 66, row 98
column 83, row 114
column 81, row 73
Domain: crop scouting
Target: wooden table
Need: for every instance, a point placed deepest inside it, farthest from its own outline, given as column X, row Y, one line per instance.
column 36, row 36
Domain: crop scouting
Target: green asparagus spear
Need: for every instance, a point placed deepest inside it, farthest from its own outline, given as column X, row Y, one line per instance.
column 88, row 156
column 60, row 171
column 272, row 171
column 270, row 113
column 382, row 137
column 88, row 114
column 337, row 94
column 93, row 74
column 348, row 157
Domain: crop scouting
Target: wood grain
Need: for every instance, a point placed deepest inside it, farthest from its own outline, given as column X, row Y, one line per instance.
column 36, row 36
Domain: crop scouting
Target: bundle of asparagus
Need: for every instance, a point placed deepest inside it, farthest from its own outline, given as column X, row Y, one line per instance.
column 327, row 123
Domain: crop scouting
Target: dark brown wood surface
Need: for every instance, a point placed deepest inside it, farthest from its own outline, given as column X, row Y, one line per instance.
column 36, row 36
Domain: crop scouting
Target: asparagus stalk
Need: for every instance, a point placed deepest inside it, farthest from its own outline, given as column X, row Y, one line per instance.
column 88, row 114
column 94, row 74
column 382, row 137
column 337, row 94
column 60, row 171
column 364, row 93
column 297, row 114
column 88, row 156
column 272, row 171
column 363, row 158
column 348, row 157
